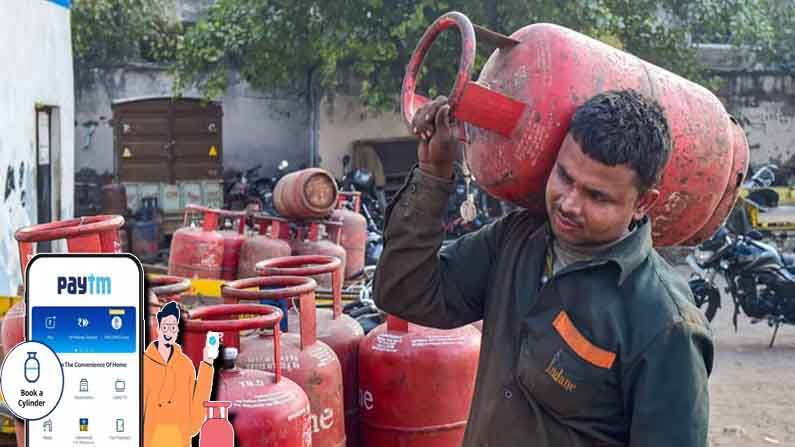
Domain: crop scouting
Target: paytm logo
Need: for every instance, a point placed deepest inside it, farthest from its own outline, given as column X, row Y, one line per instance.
column 82, row 285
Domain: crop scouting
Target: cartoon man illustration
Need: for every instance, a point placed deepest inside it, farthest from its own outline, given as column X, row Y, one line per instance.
column 173, row 394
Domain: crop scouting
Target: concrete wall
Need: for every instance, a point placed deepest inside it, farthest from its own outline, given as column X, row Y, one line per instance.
column 764, row 104
column 37, row 49
column 344, row 121
column 257, row 127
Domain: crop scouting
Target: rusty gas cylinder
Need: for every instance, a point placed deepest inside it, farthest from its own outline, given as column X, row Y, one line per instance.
column 87, row 234
column 739, row 169
column 197, row 252
column 306, row 194
column 309, row 241
column 163, row 288
column 353, row 232
column 234, row 236
column 518, row 112
column 266, row 243
column 416, row 384
column 268, row 409
column 341, row 332
column 312, row 364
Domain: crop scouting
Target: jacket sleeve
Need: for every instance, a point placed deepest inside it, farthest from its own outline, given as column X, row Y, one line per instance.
column 201, row 393
column 414, row 279
column 666, row 389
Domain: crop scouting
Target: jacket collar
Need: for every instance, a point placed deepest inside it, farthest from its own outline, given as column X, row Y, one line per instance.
column 627, row 254
column 154, row 354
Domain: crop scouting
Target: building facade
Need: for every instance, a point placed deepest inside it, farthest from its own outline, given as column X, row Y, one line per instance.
column 36, row 123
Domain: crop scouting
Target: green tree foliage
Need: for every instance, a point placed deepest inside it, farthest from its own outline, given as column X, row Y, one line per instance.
column 107, row 33
column 361, row 47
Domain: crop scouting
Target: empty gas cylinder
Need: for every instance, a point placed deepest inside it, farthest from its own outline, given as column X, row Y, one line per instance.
column 416, row 384
column 163, row 288
column 341, row 332
column 233, row 226
column 518, row 112
column 264, row 244
column 307, row 361
column 268, row 409
column 197, row 252
column 306, row 194
column 352, row 233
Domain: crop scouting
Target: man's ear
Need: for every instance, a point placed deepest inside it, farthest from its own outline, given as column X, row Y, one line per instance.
column 645, row 202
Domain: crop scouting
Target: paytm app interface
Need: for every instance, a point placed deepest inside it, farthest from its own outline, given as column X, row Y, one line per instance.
column 90, row 319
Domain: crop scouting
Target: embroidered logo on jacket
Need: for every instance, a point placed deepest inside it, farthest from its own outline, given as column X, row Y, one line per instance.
column 558, row 374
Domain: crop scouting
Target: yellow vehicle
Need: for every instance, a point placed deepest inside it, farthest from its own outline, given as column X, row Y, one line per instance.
column 770, row 209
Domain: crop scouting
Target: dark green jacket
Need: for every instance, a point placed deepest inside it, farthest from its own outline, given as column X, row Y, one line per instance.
column 608, row 353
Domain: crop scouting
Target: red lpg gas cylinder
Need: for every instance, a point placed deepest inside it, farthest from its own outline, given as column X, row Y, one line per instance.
column 268, row 409
column 306, row 360
column 416, row 384
column 738, row 172
column 88, row 234
column 518, row 112
column 308, row 241
column 197, row 252
column 163, row 288
column 265, row 244
column 233, row 241
column 341, row 332
column 306, row 194
column 353, row 233
column 216, row 430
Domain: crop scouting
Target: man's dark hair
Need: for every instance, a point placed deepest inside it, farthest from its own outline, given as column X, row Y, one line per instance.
column 624, row 127
column 169, row 309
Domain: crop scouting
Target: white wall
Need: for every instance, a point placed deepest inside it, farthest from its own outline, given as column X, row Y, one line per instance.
column 36, row 47
column 345, row 121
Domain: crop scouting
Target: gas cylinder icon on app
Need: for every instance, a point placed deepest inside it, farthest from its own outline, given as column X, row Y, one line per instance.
column 32, row 371
column 217, row 431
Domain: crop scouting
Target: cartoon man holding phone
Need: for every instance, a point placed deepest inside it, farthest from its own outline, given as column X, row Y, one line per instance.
column 173, row 393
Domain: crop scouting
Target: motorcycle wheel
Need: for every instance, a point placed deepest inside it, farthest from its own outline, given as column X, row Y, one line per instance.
column 712, row 301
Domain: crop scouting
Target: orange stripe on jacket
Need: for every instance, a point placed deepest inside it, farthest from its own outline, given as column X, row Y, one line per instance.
column 580, row 345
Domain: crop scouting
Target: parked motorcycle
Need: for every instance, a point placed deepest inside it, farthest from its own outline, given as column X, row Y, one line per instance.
column 373, row 199
column 372, row 207
column 364, row 310
column 242, row 190
column 760, row 280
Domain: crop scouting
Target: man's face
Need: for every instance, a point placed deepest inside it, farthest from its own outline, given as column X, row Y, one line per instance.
column 168, row 330
column 590, row 203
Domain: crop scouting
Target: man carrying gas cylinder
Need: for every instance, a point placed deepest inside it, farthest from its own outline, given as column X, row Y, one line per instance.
column 589, row 337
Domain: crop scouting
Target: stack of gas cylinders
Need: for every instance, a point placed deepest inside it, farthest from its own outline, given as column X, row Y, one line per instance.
column 313, row 220
column 323, row 383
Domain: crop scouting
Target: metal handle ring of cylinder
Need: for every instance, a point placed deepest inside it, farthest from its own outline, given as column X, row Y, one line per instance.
column 167, row 285
column 410, row 102
column 201, row 320
column 308, row 265
column 287, row 287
